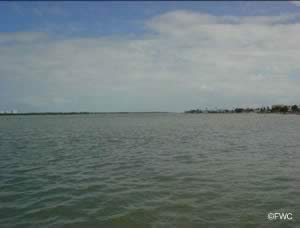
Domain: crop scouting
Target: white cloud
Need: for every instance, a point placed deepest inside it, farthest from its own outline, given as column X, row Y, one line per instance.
column 297, row 3
column 191, row 60
column 22, row 37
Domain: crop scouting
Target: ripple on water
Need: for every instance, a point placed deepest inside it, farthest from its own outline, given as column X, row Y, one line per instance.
column 163, row 170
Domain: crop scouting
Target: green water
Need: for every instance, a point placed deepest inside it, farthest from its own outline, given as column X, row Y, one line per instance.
column 149, row 170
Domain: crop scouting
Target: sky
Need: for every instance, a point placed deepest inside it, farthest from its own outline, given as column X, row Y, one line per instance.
column 148, row 56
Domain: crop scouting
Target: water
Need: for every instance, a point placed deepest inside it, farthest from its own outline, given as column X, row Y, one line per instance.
column 149, row 170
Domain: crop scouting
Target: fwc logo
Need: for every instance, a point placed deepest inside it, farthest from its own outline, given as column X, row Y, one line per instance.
column 280, row 216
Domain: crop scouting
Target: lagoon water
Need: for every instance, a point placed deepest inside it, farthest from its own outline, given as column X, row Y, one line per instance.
column 149, row 170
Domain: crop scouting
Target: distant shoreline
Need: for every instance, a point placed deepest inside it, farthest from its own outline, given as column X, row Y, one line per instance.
column 72, row 113
column 274, row 109
column 279, row 109
column 103, row 113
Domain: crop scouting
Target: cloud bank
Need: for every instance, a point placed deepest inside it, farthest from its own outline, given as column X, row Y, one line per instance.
column 184, row 60
column 297, row 3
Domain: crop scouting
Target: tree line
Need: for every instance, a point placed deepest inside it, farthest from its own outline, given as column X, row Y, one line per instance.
column 266, row 109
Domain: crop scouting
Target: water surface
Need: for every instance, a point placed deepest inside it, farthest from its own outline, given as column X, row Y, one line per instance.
column 149, row 170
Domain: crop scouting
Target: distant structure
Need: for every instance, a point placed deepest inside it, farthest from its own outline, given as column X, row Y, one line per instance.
column 14, row 111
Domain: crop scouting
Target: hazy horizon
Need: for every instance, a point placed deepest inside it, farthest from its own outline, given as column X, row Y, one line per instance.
column 148, row 56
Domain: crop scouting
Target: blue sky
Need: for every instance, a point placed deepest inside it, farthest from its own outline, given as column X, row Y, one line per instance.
column 110, row 18
column 147, row 56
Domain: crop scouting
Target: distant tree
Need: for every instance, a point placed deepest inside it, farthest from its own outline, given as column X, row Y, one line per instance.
column 263, row 109
column 277, row 108
column 284, row 109
column 249, row 110
column 194, row 111
column 239, row 110
column 295, row 108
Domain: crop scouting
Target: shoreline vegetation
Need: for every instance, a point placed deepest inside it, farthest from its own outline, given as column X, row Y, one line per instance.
column 281, row 109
